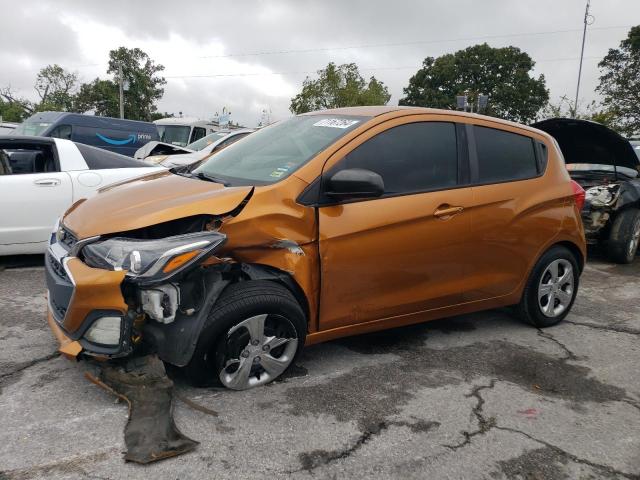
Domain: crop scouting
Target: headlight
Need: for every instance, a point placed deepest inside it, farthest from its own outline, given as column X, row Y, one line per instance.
column 602, row 195
column 152, row 258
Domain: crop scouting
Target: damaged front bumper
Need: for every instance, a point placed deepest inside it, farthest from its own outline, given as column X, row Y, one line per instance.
column 83, row 303
column 108, row 313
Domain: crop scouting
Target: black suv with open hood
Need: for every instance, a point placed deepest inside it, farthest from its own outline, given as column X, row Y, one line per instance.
column 606, row 166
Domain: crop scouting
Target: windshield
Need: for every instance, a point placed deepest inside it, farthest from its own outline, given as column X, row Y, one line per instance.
column 31, row 128
column 636, row 147
column 591, row 167
column 174, row 134
column 206, row 141
column 274, row 152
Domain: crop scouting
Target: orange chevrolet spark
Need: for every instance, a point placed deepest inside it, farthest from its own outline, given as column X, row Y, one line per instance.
column 324, row 225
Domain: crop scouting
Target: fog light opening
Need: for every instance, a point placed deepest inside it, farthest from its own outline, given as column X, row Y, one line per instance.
column 105, row 331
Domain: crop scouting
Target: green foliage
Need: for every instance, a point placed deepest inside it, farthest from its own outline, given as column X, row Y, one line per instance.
column 565, row 108
column 13, row 108
column 620, row 83
column 99, row 96
column 55, row 87
column 145, row 87
column 339, row 86
column 501, row 73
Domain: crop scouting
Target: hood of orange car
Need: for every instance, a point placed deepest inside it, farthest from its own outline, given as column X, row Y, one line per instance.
column 150, row 200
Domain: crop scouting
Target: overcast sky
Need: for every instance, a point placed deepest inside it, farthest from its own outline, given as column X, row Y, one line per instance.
column 254, row 55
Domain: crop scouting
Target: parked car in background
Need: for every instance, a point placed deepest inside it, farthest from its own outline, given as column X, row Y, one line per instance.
column 199, row 150
column 113, row 134
column 607, row 167
column 181, row 131
column 7, row 127
column 636, row 147
column 41, row 177
column 325, row 225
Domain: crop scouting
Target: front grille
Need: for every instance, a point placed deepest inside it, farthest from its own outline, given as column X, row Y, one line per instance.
column 66, row 238
column 57, row 267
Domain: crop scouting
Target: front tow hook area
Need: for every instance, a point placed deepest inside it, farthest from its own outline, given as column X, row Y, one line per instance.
column 150, row 433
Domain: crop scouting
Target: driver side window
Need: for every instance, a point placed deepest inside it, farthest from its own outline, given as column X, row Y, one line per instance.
column 413, row 157
column 61, row 131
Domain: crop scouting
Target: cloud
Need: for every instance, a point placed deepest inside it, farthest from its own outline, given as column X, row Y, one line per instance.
column 194, row 40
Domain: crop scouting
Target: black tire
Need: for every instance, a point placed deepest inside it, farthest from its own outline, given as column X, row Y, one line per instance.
column 238, row 302
column 620, row 246
column 529, row 308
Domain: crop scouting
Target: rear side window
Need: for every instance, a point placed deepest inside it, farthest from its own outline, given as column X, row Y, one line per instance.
column 504, row 156
column 410, row 158
column 98, row 158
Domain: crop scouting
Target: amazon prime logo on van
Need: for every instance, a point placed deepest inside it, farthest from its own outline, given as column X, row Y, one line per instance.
column 115, row 141
column 144, row 136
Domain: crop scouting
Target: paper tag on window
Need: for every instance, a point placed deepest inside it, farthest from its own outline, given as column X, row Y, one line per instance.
column 335, row 123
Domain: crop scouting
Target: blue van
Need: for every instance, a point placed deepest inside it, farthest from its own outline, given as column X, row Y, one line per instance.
column 114, row 134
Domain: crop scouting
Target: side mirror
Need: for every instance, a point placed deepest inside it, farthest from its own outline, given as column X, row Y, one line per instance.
column 355, row 183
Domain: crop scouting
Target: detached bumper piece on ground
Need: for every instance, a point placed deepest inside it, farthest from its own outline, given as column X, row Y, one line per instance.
column 150, row 434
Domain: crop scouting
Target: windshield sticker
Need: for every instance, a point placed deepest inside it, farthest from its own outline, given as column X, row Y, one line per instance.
column 277, row 173
column 335, row 123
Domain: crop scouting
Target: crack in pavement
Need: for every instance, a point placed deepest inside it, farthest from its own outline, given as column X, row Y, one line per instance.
column 583, row 461
column 484, row 425
column 317, row 458
column 568, row 354
column 629, row 331
column 23, row 366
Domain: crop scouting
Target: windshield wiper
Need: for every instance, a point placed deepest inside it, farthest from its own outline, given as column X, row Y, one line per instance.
column 210, row 178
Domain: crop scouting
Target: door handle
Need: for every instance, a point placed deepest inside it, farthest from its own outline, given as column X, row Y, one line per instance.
column 47, row 182
column 446, row 211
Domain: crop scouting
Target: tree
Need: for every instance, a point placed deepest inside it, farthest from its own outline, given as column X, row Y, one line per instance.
column 145, row 87
column 55, row 87
column 339, row 86
column 620, row 83
column 501, row 73
column 13, row 108
column 565, row 108
column 99, row 96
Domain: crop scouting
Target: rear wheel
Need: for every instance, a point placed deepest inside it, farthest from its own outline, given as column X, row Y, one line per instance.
column 252, row 336
column 551, row 288
column 622, row 244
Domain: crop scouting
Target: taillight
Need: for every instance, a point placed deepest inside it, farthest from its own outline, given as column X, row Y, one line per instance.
column 578, row 193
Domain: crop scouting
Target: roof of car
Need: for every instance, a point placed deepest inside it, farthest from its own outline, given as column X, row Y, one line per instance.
column 375, row 111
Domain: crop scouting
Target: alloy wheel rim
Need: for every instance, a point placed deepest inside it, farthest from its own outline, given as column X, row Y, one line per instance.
column 265, row 345
column 555, row 290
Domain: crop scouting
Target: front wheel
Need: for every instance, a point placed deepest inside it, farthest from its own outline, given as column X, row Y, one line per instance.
column 622, row 244
column 551, row 288
column 252, row 335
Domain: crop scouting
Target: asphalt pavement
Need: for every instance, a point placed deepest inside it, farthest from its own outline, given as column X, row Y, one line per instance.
column 479, row 396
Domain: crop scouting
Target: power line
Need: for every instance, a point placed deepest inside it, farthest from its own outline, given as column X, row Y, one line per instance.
column 415, row 42
column 377, row 45
column 405, row 67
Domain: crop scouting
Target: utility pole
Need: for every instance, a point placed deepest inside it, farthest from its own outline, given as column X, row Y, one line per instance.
column 587, row 17
column 121, row 88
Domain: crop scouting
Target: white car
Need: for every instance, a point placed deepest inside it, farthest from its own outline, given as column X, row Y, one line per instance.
column 199, row 150
column 41, row 177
